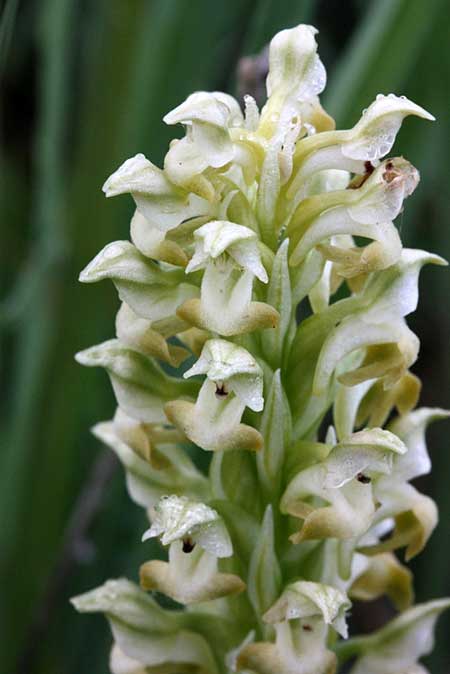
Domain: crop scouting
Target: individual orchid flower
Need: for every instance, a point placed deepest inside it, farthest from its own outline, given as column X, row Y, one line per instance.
column 215, row 137
column 344, row 481
column 296, row 77
column 301, row 618
column 198, row 539
column 230, row 256
column 233, row 382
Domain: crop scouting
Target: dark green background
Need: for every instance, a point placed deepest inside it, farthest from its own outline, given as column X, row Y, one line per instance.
column 84, row 85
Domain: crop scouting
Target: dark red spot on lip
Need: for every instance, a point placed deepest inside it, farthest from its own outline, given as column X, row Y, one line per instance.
column 368, row 167
column 390, row 173
column 188, row 545
column 307, row 628
column 364, row 479
column 221, row 391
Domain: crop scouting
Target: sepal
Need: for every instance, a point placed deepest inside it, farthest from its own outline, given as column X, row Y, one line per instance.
column 296, row 75
column 145, row 632
column 207, row 116
column 161, row 202
column 233, row 369
column 304, row 599
column 374, row 135
column 140, row 386
column 411, row 429
column 152, row 292
column 220, row 237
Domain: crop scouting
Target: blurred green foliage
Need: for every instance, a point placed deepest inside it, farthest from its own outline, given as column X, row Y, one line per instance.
column 85, row 84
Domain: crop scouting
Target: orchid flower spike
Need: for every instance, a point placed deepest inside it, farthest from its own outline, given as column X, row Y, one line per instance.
column 265, row 541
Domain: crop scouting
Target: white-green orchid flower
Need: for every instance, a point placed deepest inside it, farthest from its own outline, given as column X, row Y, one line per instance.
column 230, row 256
column 343, row 481
column 233, row 382
column 301, row 618
column 197, row 538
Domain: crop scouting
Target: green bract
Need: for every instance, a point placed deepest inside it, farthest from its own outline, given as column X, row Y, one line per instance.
column 254, row 212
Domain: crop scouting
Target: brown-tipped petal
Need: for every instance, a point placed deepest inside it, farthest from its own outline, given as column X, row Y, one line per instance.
column 184, row 416
column 385, row 575
column 412, row 530
column 265, row 658
column 259, row 316
column 158, row 576
column 195, row 339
